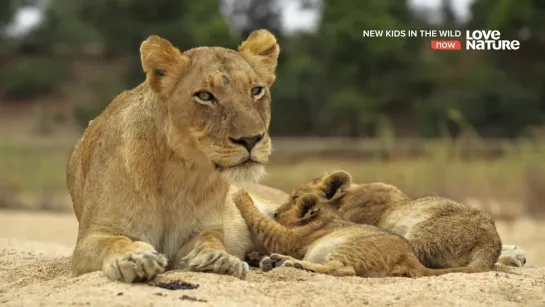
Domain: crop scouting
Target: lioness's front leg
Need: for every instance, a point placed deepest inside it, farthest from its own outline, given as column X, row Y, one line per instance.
column 119, row 257
column 208, row 255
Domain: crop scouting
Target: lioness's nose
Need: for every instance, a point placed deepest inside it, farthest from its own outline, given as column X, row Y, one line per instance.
column 248, row 141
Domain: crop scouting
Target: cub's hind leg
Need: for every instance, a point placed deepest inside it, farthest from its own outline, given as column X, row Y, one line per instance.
column 485, row 254
column 332, row 267
column 471, row 240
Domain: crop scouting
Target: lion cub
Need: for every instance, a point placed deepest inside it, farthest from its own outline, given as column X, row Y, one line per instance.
column 442, row 232
column 305, row 229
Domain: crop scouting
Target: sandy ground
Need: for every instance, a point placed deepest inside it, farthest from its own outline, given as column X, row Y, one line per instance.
column 35, row 253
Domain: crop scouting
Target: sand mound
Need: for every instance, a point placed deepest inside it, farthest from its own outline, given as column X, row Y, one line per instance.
column 33, row 274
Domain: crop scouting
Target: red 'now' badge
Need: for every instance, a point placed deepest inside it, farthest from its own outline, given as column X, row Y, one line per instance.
column 446, row 45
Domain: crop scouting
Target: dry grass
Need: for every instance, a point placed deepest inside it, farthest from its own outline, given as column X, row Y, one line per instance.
column 32, row 173
column 507, row 179
column 508, row 182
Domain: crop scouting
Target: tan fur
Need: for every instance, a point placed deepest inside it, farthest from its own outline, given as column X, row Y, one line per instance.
column 442, row 232
column 150, row 176
column 309, row 236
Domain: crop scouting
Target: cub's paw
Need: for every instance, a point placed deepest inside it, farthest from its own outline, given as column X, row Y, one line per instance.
column 215, row 261
column 253, row 258
column 242, row 199
column 512, row 255
column 142, row 263
column 276, row 261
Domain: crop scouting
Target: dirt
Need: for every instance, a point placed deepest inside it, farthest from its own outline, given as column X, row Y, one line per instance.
column 35, row 261
column 175, row 285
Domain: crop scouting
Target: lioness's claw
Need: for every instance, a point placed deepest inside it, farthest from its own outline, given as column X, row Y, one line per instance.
column 143, row 264
column 216, row 261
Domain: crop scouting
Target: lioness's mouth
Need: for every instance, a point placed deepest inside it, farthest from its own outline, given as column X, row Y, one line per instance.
column 246, row 163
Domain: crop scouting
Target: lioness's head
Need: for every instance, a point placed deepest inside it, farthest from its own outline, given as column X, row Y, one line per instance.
column 218, row 98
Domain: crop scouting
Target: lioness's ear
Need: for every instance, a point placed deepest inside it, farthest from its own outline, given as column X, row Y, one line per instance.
column 162, row 63
column 335, row 182
column 308, row 204
column 261, row 51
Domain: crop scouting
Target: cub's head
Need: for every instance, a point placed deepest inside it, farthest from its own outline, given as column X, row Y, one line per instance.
column 216, row 100
column 337, row 188
column 300, row 211
column 326, row 187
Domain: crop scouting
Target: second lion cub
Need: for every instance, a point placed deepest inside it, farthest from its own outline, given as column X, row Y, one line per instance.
column 309, row 236
column 443, row 233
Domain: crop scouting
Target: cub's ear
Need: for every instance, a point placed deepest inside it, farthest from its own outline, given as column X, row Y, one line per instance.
column 163, row 64
column 335, row 182
column 261, row 51
column 308, row 204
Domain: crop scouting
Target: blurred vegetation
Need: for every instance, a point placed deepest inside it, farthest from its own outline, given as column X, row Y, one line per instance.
column 31, row 77
column 331, row 81
column 505, row 178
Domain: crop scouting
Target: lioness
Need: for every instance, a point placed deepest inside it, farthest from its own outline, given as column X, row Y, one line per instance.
column 309, row 235
column 149, row 178
column 442, row 232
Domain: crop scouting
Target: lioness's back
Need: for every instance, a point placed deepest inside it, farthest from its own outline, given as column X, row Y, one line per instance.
column 102, row 138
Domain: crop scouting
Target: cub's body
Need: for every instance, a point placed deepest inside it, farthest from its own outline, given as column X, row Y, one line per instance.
column 443, row 233
column 312, row 237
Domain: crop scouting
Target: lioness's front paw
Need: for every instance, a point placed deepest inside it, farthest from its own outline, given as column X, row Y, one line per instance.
column 216, row 261
column 512, row 255
column 141, row 264
column 276, row 260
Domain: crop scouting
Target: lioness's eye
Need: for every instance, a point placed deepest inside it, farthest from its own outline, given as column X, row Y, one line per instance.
column 204, row 97
column 258, row 91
